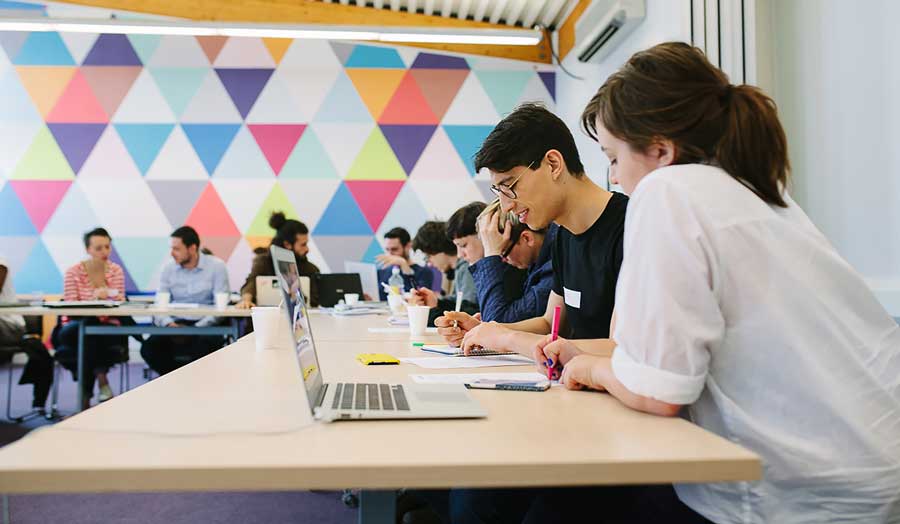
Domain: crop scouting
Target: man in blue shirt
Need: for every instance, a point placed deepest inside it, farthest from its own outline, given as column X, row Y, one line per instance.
column 518, row 246
column 398, row 247
column 192, row 278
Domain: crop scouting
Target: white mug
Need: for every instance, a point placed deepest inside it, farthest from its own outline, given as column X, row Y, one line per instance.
column 222, row 300
column 418, row 319
column 163, row 298
column 266, row 324
column 351, row 298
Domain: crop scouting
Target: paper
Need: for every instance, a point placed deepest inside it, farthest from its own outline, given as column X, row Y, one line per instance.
column 467, row 362
column 448, row 350
column 469, row 378
column 397, row 330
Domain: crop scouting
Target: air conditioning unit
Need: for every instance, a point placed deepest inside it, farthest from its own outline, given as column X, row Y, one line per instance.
column 604, row 25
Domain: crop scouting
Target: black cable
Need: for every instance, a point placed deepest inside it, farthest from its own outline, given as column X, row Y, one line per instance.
column 556, row 57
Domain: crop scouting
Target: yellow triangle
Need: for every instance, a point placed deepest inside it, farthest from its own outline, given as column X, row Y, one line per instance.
column 43, row 160
column 277, row 47
column 45, row 84
column 376, row 87
column 257, row 242
column 376, row 161
column 276, row 201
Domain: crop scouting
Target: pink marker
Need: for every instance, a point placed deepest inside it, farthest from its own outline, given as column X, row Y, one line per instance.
column 554, row 334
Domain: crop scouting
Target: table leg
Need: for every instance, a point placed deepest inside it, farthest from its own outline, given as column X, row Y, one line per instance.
column 80, row 365
column 377, row 507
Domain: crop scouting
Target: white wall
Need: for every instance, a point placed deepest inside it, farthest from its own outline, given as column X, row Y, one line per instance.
column 835, row 74
column 666, row 20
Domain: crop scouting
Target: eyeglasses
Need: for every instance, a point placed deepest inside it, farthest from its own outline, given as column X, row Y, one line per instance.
column 507, row 190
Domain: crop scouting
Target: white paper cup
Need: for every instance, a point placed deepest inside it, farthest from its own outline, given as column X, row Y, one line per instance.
column 266, row 322
column 163, row 298
column 397, row 304
column 351, row 298
column 418, row 319
column 222, row 300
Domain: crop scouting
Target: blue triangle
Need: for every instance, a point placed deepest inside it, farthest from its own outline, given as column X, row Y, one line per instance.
column 467, row 141
column 343, row 104
column 39, row 273
column 374, row 250
column 112, row 50
column 549, row 80
column 44, row 49
column 343, row 217
column 372, row 57
column 143, row 141
column 130, row 286
column 15, row 220
column 210, row 141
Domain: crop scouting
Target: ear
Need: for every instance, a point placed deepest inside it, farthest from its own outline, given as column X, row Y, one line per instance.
column 557, row 164
column 286, row 245
column 527, row 237
column 664, row 152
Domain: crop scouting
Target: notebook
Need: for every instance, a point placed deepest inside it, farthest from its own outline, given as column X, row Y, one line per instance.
column 451, row 351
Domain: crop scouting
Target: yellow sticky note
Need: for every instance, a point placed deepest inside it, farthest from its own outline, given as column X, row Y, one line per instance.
column 374, row 359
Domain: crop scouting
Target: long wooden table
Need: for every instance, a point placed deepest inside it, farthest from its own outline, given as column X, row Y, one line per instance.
column 237, row 420
column 134, row 310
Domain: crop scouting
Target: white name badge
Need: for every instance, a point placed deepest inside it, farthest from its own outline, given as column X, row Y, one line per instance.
column 573, row 298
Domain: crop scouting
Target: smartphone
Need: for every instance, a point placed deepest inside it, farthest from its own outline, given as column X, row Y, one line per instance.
column 510, row 386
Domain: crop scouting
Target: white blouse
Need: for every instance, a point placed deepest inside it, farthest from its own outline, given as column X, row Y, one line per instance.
column 745, row 312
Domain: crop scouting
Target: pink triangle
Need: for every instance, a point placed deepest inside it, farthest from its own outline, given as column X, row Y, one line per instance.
column 40, row 198
column 374, row 197
column 210, row 218
column 277, row 141
column 78, row 104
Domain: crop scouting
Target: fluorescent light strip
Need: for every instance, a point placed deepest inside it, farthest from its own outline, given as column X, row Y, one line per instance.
column 516, row 37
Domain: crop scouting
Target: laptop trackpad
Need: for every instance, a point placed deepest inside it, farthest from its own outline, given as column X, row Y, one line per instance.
column 441, row 394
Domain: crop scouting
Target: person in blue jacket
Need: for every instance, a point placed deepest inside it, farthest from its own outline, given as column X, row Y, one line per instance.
column 510, row 243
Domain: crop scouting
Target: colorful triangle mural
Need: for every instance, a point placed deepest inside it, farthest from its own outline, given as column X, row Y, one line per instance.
column 142, row 257
column 374, row 198
column 17, row 106
column 144, row 141
column 376, row 161
column 549, row 80
column 76, row 141
column 39, row 272
column 144, row 45
column 73, row 216
column 40, row 198
column 44, row 49
column 276, row 201
column 244, row 53
column 277, row 47
column 408, row 142
column 342, row 216
column 435, row 61
column 177, row 197
column 376, row 87
column 467, row 140
column 244, row 86
column 110, row 84
column 276, row 141
column 504, row 87
column 16, row 221
column 43, row 160
column 343, row 104
column 212, row 46
column 373, row 56
column 112, row 50
column 78, row 104
column 439, row 87
column 130, row 285
column 408, row 105
column 210, row 141
column 209, row 216
column 244, row 160
column 308, row 159
column 45, row 84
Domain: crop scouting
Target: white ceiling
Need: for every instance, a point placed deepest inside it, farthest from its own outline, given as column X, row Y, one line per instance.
column 522, row 13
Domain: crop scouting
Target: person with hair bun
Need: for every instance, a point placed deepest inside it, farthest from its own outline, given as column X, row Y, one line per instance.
column 290, row 234
column 733, row 309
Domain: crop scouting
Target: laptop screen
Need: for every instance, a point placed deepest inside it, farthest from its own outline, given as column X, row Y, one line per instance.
column 298, row 320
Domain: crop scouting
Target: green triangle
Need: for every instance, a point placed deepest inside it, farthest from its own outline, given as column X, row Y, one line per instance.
column 308, row 159
column 376, row 161
column 276, row 201
column 144, row 45
column 178, row 85
column 43, row 160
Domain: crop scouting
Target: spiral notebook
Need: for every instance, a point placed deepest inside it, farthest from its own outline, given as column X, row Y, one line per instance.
column 451, row 351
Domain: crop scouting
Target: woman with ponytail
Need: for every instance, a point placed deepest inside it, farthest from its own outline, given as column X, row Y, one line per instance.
column 290, row 234
column 733, row 309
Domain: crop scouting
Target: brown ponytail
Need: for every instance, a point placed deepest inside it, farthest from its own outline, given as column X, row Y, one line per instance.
column 671, row 91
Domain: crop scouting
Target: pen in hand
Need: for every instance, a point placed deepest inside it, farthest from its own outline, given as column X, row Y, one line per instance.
column 554, row 334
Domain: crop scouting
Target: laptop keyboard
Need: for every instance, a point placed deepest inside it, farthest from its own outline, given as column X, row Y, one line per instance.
column 370, row 397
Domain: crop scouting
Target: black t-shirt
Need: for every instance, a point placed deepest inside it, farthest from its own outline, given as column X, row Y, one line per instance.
column 586, row 268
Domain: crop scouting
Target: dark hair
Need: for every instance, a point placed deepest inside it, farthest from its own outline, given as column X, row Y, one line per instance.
column 524, row 137
column 400, row 234
column 462, row 222
column 96, row 232
column 286, row 229
column 206, row 251
column 671, row 91
column 431, row 239
column 188, row 235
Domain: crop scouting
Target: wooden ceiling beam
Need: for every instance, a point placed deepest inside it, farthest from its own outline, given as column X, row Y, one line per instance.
column 314, row 12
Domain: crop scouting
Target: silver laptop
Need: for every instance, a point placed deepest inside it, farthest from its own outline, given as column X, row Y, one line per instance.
column 267, row 291
column 360, row 401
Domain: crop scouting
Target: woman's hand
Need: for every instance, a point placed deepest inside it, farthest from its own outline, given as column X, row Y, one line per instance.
column 454, row 325
column 554, row 355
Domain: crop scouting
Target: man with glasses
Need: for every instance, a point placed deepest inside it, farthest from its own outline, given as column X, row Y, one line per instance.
column 538, row 176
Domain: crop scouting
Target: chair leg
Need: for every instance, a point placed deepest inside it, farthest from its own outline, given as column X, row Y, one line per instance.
column 35, row 412
column 122, row 367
